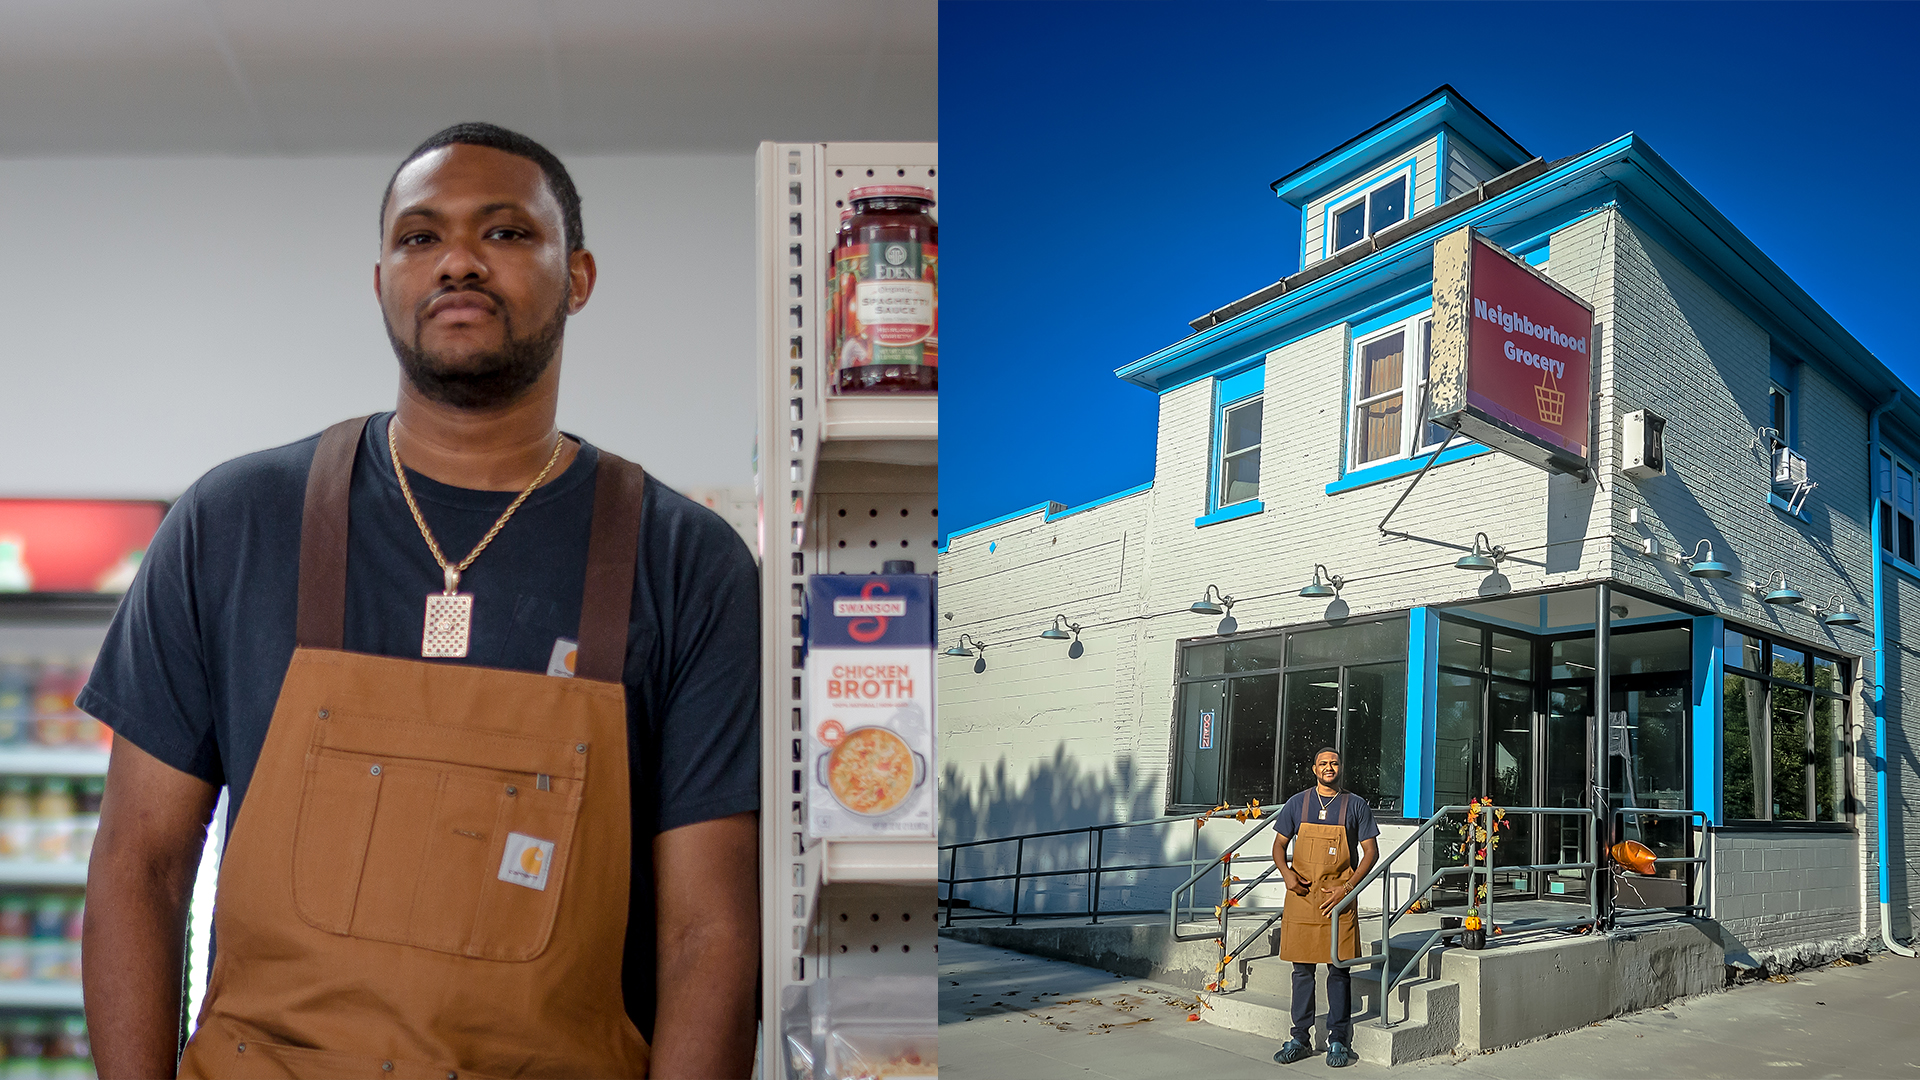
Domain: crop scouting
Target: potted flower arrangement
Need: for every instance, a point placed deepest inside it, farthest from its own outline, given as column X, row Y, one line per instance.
column 1478, row 843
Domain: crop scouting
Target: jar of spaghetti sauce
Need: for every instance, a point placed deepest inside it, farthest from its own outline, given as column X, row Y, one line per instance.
column 886, row 287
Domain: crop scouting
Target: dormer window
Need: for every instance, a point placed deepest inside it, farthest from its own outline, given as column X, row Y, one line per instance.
column 1369, row 212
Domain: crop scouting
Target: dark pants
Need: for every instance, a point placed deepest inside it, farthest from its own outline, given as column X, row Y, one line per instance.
column 1339, row 1003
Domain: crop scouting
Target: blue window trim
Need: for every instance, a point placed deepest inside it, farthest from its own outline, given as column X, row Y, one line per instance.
column 1243, row 508
column 1708, row 641
column 1374, row 474
column 1900, row 564
column 1780, row 504
column 1245, row 380
column 1411, row 167
column 1423, row 693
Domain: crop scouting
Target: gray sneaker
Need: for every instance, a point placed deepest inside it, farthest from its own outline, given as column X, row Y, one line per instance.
column 1339, row 1055
column 1294, row 1050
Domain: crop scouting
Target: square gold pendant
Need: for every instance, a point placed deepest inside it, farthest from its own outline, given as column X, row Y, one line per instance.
column 449, row 624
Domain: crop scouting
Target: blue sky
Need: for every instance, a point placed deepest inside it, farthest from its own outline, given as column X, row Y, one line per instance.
column 1105, row 169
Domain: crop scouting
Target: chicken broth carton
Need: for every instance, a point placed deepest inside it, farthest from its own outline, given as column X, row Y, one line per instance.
column 868, row 758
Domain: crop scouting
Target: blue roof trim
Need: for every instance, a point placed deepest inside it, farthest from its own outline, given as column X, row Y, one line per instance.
column 1042, row 507
column 1654, row 197
column 1412, row 125
column 1253, row 330
column 1115, row 497
column 1052, row 510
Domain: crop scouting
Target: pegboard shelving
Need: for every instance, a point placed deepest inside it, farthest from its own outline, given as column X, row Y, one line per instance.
column 845, row 485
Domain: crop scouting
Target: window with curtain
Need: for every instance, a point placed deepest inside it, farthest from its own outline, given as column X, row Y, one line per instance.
column 1389, row 393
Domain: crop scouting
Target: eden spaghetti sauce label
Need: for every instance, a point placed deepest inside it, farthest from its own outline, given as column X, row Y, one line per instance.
column 888, row 304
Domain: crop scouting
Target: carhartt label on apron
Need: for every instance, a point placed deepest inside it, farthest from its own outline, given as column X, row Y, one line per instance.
column 525, row 861
column 561, row 662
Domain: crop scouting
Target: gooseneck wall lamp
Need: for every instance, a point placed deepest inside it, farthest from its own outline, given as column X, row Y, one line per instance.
column 1839, row 616
column 1484, row 557
column 1061, row 630
column 1707, row 567
column 1781, row 595
column 1323, row 583
column 968, row 646
column 965, row 647
column 1212, row 602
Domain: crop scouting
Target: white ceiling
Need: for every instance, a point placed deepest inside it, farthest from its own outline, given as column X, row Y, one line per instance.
column 271, row 77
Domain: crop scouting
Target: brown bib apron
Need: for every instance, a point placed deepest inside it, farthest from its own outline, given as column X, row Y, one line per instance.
column 1321, row 855
column 428, row 878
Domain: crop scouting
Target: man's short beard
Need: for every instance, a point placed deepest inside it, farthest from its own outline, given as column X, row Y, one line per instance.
column 489, row 380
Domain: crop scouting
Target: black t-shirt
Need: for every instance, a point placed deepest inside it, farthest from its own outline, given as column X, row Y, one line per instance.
column 1359, row 818
column 193, row 662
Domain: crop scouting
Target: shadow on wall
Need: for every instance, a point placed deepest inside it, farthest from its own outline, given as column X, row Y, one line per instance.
column 1059, row 793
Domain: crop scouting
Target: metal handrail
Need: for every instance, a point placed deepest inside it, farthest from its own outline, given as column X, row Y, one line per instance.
column 1094, row 870
column 1388, row 976
column 1173, row 903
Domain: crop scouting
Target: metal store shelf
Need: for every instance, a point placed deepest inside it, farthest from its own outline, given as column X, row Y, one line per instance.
column 39, row 995
column 22, row 872
column 50, row 761
column 846, row 483
column 886, row 861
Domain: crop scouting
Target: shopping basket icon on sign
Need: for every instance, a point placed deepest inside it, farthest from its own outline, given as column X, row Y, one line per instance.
column 1550, row 402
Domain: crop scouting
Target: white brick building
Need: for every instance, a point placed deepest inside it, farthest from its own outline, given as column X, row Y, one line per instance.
column 1282, row 445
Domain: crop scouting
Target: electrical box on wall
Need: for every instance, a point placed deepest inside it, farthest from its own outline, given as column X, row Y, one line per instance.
column 1643, row 450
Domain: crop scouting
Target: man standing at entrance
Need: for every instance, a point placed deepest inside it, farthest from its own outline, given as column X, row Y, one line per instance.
column 483, row 697
column 1326, row 828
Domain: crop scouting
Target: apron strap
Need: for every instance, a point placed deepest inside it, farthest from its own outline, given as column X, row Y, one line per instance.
column 613, row 549
column 322, row 619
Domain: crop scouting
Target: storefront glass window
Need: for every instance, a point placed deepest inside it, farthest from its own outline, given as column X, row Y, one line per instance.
column 1313, row 711
column 1573, row 658
column 1456, row 751
column 1785, row 742
column 1254, row 654
column 1510, row 656
column 1744, row 702
column 1376, row 733
column 1459, row 646
column 1789, row 753
column 1253, row 733
column 1651, row 650
column 1249, row 729
column 1203, row 660
column 1353, row 643
column 1200, row 743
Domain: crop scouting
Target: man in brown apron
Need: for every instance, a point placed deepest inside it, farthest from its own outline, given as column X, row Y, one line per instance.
column 1325, row 826
column 495, row 816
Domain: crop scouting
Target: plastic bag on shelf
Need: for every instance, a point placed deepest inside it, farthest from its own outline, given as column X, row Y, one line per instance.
column 871, row 1028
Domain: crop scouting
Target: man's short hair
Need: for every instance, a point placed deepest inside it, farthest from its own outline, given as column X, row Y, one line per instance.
column 512, row 142
column 1324, row 750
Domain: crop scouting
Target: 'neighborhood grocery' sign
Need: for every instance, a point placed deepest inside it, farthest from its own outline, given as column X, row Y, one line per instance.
column 1512, row 355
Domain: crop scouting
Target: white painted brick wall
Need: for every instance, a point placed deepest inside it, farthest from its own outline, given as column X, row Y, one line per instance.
column 1041, row 741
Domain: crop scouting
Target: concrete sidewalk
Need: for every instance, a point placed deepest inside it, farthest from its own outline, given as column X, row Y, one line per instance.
column 1006, row 1014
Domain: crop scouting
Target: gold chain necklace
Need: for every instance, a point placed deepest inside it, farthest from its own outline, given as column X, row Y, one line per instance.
column 449, row 621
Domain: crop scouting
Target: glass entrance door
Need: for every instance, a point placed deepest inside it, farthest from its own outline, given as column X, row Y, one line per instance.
column 1566, row 838
column 1647, row 763
column 1485, row 746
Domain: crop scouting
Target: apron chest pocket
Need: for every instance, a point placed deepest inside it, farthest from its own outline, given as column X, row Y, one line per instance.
column 439, row 837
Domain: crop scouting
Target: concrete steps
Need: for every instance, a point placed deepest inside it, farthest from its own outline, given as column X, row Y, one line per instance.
column 1425, row 1011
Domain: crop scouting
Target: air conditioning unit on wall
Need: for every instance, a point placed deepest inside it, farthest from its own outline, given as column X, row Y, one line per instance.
column 1789, row 470
column 1643, row 451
